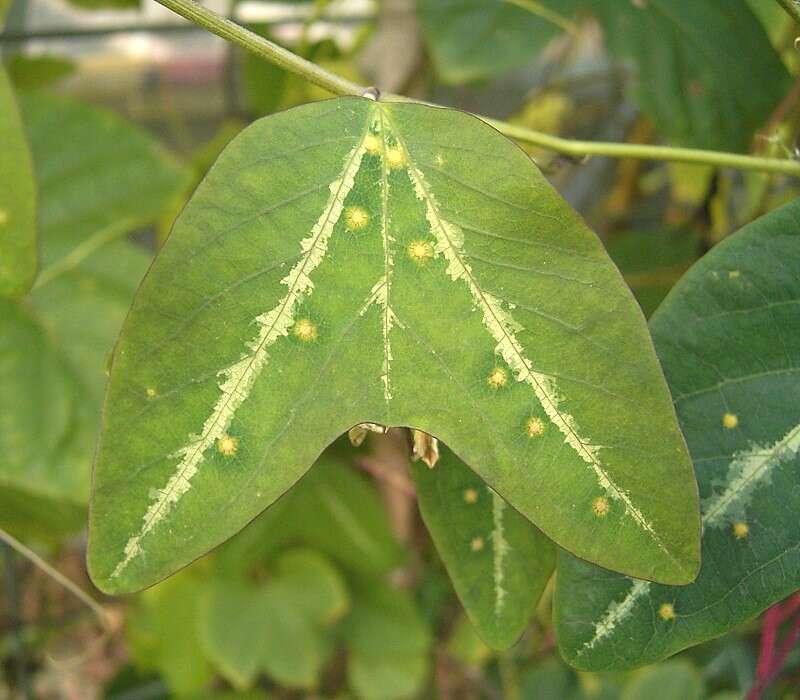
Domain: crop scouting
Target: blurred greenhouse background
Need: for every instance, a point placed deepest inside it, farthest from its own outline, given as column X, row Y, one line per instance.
column 336, row 591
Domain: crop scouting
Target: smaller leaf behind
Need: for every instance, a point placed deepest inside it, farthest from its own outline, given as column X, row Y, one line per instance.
column 498, row 561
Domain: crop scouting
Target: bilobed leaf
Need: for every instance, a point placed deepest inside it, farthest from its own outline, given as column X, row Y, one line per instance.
column 498, row 561
column 351, row 261
column 18, row 253
column 728, row 336
column 698, row 79
column 475, row 39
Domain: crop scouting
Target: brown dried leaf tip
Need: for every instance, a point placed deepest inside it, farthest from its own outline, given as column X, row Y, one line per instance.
column 426, row 448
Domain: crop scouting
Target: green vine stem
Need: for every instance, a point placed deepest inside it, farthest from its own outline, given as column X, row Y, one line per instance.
column 792, row 8
column 576, row 149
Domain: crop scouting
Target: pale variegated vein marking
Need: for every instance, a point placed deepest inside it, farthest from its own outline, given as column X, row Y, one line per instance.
column 503, row 328
column 747, row 470
column 500, row 549
column 238, row 378
column 381, row 291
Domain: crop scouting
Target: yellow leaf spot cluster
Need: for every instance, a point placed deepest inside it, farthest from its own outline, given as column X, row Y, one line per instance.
column 227, row 445
column 477, row 544
column 420, row 251
column 356, row 218
column 534, row 427
column 305, row 330
column 395, row 157
column 497, row 378
column 667, row 611
column 601, row 506
column 740, row 530
column 730, row 420
column 470, row 496
column 373, row 144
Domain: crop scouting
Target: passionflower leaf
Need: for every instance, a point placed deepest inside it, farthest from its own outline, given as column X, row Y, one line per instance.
column 354, row 261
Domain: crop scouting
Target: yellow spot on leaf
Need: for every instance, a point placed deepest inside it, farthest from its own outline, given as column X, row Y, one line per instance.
column 227, row 445
column 395, row 157
column 667, row 611
column 498, row 378
column 470, row 496
column 477, row 544
column 733, row 274
column 600, row 506
column 305, row 330
column 356, row 218
column 151, row 392
column 740, row 530
column 534, row 427
column 439, row 159
column 730, row 420
column 3, row 217
column 373, row 144
column 420, row 251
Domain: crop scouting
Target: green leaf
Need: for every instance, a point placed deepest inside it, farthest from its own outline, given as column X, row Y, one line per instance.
column 388, row 644
column 674, row 680
column 707, row 73
column 653, row 262
column 18, row 254
column 58, row 361
column 38, row 408
column 475, row 39
column 333, row 509
column 278, row 627
column 727, row 339
column 36, row 72
column 499, row 563
column 350, row 261
column 162, row 634
column 99, row 176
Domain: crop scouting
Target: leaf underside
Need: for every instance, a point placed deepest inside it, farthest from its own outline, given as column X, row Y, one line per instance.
column 352, row 261
column 728, row 336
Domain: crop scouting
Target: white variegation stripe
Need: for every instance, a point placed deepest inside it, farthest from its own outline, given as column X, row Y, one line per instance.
column 503, row 328
column 388, row 265
column 747, row 470
column 500, row 548
column 616, row 613
column 238, row 378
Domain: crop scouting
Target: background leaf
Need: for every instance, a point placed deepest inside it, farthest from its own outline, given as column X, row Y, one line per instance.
column 18, row 242
column 475, row 39
column 499, row 563
column 388, row 643
column 710, row 79
column 728, row 339
column 58, row 362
